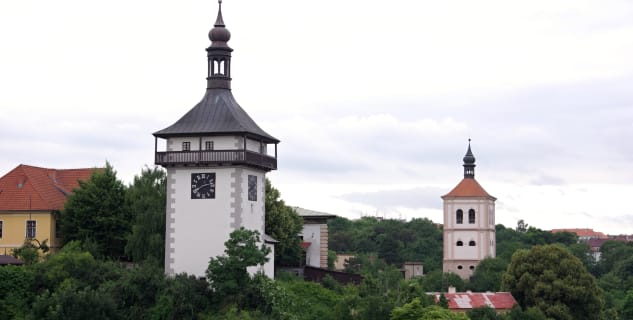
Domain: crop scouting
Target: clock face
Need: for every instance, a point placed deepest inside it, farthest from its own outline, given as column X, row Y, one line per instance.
column 203, row 185
column 252, row 188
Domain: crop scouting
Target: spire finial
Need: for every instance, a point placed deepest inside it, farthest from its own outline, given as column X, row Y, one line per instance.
column 469, row 163
column 219, row 35
column 219, row 22
column 219, row 55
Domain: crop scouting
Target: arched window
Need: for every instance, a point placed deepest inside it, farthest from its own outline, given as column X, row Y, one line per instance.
column 471, row 243
column 459, row 267
column 471, row 267
column 471, row 216
column 460, row 243
column 460, row 216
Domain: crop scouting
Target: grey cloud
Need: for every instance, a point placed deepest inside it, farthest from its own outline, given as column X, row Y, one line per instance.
column 545, row 179
column 423, row 197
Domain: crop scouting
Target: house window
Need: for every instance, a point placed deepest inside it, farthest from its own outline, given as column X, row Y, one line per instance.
column 471, row 216
column 208, row 145
column 471, row 243
column 460, row 243
column 186, row 146
column 57, row 233
column 460, row 267
column 460, row 216
column 471, row 267
column 1, row 222
column 31, row 226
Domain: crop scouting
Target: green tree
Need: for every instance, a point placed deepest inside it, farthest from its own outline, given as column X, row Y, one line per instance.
column 415, row 310
column 95, row 213
column 182, row 297
column 483, row 313
column 227, row 274
column 522, row 226
column 487, row 275
column 73, row 262
column 550, row 278
column 439, row 282
column 72, row 301
column 627, row 308
column 531, row 313
column 284, row 225
column 30, row 250
column 145, row 200
column 136, row 289
column 582, row 251
column 16, row 294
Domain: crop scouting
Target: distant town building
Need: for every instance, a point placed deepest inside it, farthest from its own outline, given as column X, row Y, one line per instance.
column 342, row 259
column 621, row 237
column 412, row 269
column 314, row 236
column 464, row 301
column 583, row 234
column 30, row 199
column 469, row 223
column 216, row 159
column 593, row 238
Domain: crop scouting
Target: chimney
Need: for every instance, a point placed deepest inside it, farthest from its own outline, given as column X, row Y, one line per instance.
column 451, row 289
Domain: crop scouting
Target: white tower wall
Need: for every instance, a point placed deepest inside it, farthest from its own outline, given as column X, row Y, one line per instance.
column 198, row 228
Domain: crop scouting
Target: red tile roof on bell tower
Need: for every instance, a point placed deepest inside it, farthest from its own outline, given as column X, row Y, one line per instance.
column 468, row 187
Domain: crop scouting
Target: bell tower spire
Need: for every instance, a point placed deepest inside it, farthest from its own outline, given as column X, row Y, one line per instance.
column 219, row 55
column 469, row 163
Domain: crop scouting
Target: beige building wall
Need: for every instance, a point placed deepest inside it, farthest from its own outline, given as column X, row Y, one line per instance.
column 463, row 259
column 14, row 229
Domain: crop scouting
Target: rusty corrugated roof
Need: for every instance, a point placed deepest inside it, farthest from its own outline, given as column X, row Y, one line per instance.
column 471, row 300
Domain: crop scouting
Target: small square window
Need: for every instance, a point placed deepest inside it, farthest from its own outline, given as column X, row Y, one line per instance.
column 208, row 145
column 186, row 146
column 31, row 229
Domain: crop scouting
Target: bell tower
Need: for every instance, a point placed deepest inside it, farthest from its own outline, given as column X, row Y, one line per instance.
column 469, row 223
column 216, row 159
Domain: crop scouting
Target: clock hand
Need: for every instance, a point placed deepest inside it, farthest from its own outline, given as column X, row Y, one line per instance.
column 200, row 187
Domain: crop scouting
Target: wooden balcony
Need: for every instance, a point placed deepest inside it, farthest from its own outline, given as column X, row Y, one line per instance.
column 216, row 158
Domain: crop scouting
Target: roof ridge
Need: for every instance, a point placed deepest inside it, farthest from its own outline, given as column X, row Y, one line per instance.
column 36, row 186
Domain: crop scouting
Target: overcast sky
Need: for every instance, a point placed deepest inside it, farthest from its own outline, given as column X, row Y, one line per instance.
column 374, row 101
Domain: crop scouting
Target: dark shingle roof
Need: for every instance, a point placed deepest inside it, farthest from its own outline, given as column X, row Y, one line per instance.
column 217, row 113
column 9, row 260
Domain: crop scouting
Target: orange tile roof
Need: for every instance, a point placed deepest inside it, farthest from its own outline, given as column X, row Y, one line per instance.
column 34, row 188
column 468, row 187
column 583, row 232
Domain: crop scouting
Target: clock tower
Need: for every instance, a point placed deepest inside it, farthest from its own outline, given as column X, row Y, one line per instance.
column 469, row 223
column 216, row 159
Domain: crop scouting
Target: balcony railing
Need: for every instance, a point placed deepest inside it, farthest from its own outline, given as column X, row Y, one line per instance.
column 215, row 158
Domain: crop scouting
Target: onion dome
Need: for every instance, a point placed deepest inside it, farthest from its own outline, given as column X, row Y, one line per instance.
column 469, row 158
column 219, row 35
column 469, row 163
